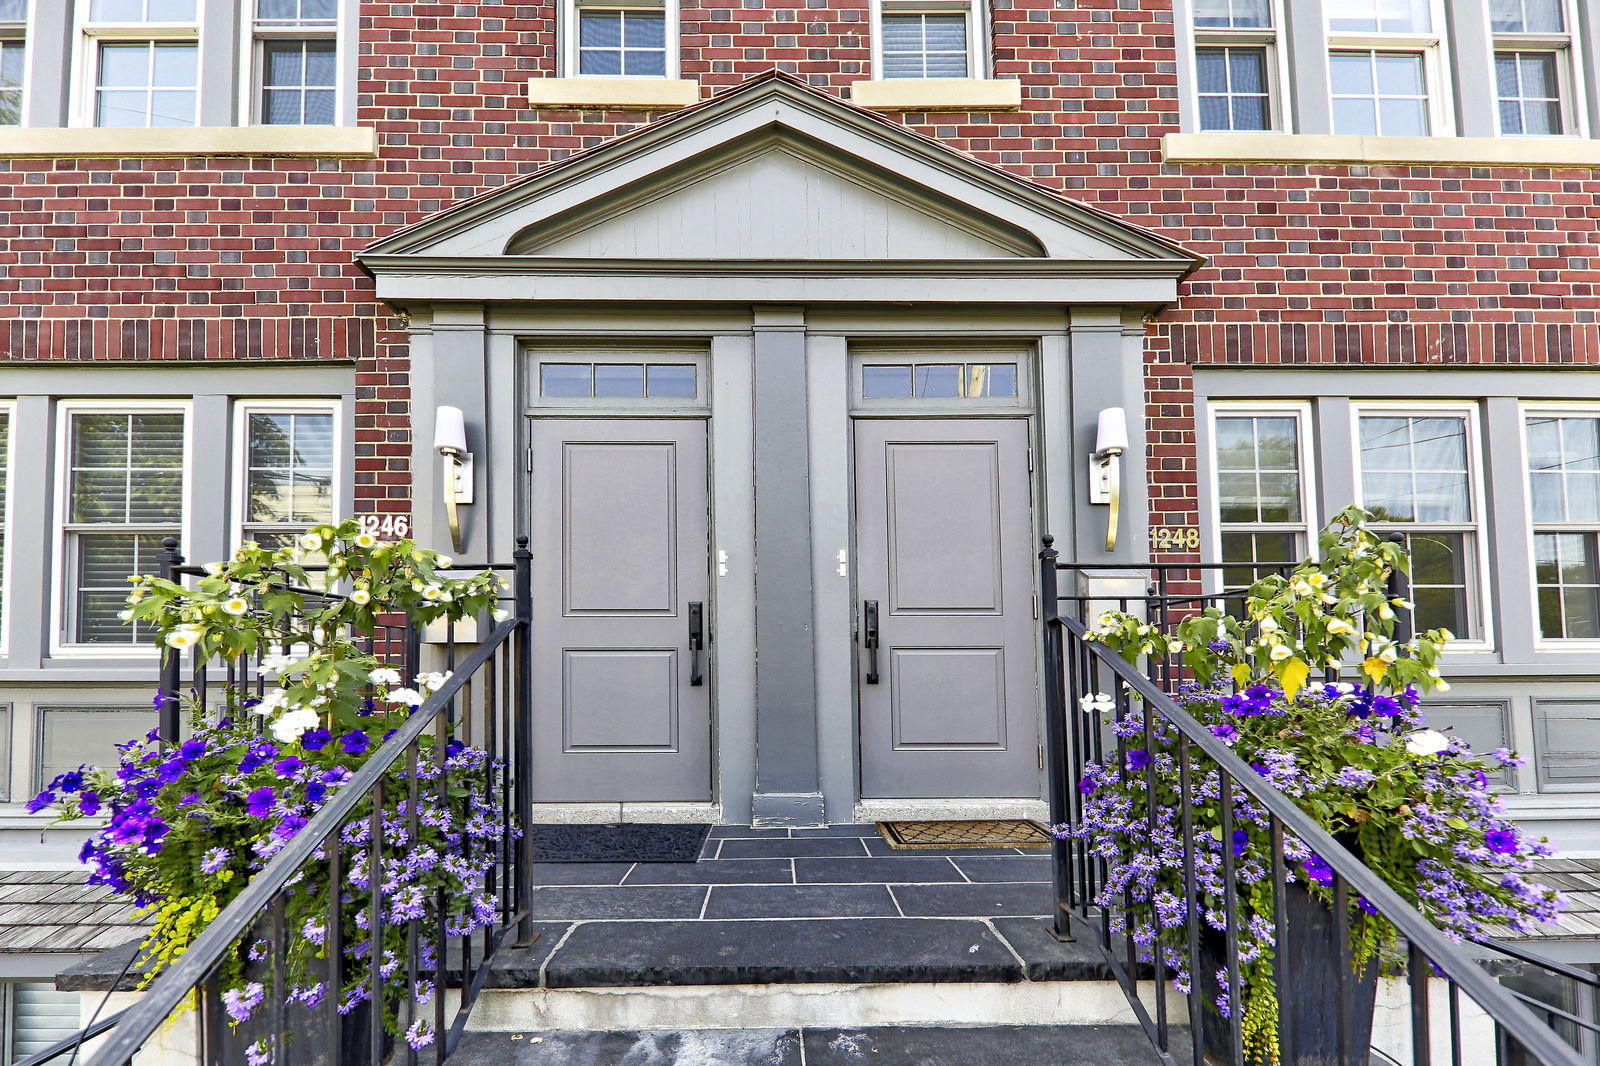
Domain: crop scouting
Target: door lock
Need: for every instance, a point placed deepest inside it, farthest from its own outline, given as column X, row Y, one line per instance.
column 697, row 641
column 869, row 638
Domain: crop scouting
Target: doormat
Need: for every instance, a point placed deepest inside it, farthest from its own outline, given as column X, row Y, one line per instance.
column 631, row 842
column 1007, row 833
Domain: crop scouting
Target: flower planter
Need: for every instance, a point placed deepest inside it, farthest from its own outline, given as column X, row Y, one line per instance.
column 1308, row 987
column 310, row 1032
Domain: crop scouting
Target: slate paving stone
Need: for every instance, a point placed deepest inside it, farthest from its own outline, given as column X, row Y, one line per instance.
column 801, row 901
column 515, row 967
column 703, row 1047
column 1027, row 1045
column 987, row 900
column 849, row 829
column 724, row 831
column 802, row 950
column 876, row 845
column 1049, row 959
column 581, row 873
column 815, row 847
column 1005, row 868
column 924, row 868
column 579, row 903
column 713, row 872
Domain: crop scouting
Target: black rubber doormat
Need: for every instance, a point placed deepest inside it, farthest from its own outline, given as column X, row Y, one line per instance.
column 999, row 833
column 631, row 842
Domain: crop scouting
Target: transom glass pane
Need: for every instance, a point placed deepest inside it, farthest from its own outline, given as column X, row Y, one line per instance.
column 935, row 381
column 619, row 379
column 924, row 46
column 125, row 11
column 1527, row 16
column 1379, row 16
column 1414, row 468
column 566, row 380
column 885, row 382
column 671, row 381
column 298, row 12
column 1232, row 14
column 622, row 42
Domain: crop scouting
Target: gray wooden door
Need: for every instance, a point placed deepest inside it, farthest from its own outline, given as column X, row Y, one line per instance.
column 944, row 550
column 620, row 564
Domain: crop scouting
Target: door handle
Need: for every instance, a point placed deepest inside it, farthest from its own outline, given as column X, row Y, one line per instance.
column 697, row 641
column 869, row 638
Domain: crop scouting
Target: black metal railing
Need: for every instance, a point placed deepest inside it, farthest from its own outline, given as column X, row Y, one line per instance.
column 1451, row 996
column 484, row 703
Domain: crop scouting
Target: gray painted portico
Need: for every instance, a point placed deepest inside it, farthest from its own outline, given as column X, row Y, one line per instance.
column 774, row 228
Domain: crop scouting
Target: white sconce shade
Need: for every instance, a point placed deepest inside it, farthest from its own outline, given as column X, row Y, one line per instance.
column 1112, row 437
column 450, row 432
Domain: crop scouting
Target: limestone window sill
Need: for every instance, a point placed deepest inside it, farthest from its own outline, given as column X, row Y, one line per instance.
column 621, row 94
column 938, row 94
column 1420, row 151
column 307, row 142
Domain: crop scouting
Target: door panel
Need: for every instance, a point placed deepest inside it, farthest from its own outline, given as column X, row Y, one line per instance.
column 619, row 553
column 944, row 542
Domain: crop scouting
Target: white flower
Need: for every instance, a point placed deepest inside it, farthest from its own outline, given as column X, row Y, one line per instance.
column 279, row 663
column 1385, row 612
column 443, row 562
column 432, row 682
column 365, row 540
column 408, row 697
column 213, row 569
column 384, row 675
column 236, row 606
column 186, row 636
column 1280, row 652
column 311, row 542
column 1340, row 627
column 1427, row 742
column 1316, row 581
column 1388, row 655
column 125, row 616
column 1269, row 625
column 500, row 614
column 432, row 592
column 1107, row 621
column 1441, row 686
column 360, row 597
column 1446, row 635
column 288, row 728
column 271, row 703
column 1097, row 701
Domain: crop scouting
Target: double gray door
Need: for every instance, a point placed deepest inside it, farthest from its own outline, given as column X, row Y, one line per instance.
column 622, row 707
column 944, row 550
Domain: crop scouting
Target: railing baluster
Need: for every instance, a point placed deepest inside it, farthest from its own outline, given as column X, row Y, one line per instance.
column 1191, row 895
column 1280, row 925
column 1417, row 978
column 1345, row 963
column 375, row 926
column 1230, row 909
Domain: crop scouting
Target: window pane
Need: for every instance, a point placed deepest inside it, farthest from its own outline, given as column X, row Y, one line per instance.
column 618, row 379
column 1250, row 113
column 105, row 561
column 1398, row 75
column 1415, row 468
column 644, row 64
column 1247, row 70
column 992, row 379
column 124, row 64
column 565, row 380
column 671, row 380
column 591, row 62
column 1211, row 69
column 1355, row 117
column 13, row 10
column 1215, row 113
column 5, row 443
column 1379, row 16
column 76, row 736
column 1567, row 570
column 116, row 11
column 885, row 382
column 1232, row 14
column 598, row 29
column 642, row 30
column 290, row 467
column 938, row 381
column 171, row 10
column 1237, row 500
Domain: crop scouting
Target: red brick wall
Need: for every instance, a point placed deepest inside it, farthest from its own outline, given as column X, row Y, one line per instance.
column 253, row 258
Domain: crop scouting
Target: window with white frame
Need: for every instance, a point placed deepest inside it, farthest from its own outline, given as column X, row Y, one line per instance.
column 1417, row 476
column 123, row 493
column 143, row 62
column 296, row 60
column 289, row 477
column 1563, row 450
column 5, row 509
column 1235, row 43
column 636, row 39
column 1383, row 61
column 1532, row 66
column 1262, row 490
column 934, row 39
column 13, row 59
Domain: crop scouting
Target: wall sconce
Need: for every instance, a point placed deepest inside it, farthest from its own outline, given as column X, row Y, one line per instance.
column 1105, row 467
column 450, row 441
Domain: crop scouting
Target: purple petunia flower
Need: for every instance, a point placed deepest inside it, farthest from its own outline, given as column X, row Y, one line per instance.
column 41, row 801
column 1241, row 840
column 1317, row 868
column 1501, row 841
column 315, row 739
column 1087, row 786
column 192, row 750
column 355, row 743
column 316, row 791
column 259, row 803
column 88, row 802
column 288, row 767
column 1138, row 758
column 1225, row 733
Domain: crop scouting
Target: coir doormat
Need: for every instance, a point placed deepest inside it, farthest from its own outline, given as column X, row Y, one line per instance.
column 631, row 842
column 1003, row 833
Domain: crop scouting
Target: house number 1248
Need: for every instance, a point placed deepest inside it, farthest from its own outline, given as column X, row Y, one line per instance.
column 1174, row 538
column 388, row 526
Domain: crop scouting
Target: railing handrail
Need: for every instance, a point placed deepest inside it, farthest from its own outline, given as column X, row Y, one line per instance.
column 1420, row 933
column 167, row 992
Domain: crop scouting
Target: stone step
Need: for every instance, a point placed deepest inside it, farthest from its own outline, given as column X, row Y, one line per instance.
column 1041, row 1045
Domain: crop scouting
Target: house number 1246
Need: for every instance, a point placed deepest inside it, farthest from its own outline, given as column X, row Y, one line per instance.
column 388, row 526
column 1174, row 538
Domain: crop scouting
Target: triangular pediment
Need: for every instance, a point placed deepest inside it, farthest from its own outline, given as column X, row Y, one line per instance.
column 775, row 171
